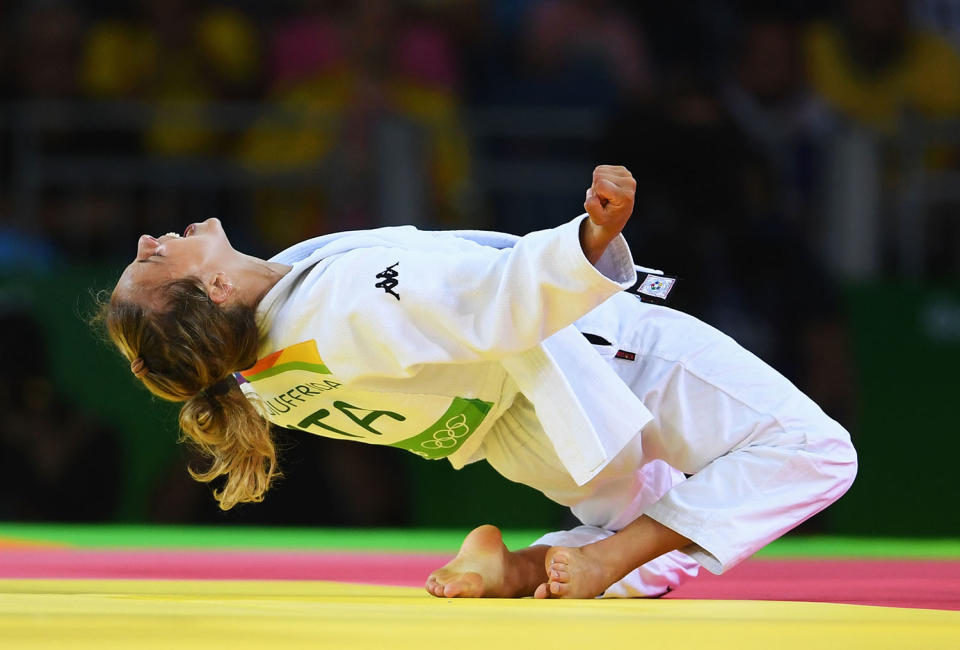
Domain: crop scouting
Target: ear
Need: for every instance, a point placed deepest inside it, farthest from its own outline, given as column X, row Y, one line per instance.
column 219, row 288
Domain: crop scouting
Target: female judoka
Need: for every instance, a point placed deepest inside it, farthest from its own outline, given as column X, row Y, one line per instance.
column 675, row 447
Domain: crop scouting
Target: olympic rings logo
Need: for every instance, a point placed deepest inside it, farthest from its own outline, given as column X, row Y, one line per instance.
column 456, row 427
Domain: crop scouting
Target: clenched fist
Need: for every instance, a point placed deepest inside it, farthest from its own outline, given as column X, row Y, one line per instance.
column 609, row 203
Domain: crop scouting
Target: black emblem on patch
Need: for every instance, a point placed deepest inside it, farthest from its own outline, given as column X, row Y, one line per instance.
column 388, row 280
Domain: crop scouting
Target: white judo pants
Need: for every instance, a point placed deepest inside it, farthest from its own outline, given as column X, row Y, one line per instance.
column 762, row 457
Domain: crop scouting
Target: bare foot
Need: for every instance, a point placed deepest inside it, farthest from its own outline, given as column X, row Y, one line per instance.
column 485, row 568
column 573, row 573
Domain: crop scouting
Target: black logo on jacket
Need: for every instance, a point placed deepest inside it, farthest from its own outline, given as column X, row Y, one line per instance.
column 388, row 280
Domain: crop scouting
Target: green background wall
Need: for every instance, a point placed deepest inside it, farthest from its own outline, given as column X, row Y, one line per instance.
column 907, row 352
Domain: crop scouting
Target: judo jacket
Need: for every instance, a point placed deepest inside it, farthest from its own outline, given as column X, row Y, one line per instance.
column 416, row 339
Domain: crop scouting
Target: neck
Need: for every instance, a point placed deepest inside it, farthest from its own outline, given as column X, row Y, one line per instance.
column 256, row 277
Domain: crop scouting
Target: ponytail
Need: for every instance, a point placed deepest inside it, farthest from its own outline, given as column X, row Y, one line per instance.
column 228, row 429
column 188, row 353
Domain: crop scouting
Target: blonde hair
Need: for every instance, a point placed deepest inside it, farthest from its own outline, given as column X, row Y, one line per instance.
column 188, row 353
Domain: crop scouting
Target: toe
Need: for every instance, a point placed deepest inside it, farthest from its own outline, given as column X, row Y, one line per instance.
column 452, row 590
column 558, row 588
column 435, row 583
column 559, row 575
column 542, row 591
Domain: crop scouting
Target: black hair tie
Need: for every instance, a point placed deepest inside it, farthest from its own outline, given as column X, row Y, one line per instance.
column 218, row 389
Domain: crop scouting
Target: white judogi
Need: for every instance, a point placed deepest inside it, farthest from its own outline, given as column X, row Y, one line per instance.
column 452, row 349
column 763, row 457
column 459, row 320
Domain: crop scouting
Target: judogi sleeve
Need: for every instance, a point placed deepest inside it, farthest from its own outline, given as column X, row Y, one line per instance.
column 397, row 307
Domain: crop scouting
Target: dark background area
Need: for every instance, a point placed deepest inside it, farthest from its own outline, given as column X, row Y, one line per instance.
column 797, row 167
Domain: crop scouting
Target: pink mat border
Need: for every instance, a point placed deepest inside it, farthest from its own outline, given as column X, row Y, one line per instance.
column 930, row 584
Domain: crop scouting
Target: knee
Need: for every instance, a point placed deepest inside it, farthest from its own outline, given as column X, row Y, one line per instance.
column 849, row 459
column 838, row 457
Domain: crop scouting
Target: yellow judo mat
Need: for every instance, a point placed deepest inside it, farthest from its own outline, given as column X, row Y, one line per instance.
column 142, row 615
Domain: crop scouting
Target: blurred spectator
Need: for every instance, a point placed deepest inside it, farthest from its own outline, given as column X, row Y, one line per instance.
column 871, row 66
column 708, row 210
column 686, row 137
column 47, row 48
column 93, row 223
column 55, row 464
column 694, row 35
column 179, row 56
column 874, row 68
column 547, row 74
column 383, row 137
column 561, row 53
column 594, row 36
column 940, row 16
column 767, row 96
column 7, row 35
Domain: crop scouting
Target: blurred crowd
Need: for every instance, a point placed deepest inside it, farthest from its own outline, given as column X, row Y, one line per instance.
column 357, row 114
column 296, row 118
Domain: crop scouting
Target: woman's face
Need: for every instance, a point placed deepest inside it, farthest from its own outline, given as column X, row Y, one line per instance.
column 202, row 252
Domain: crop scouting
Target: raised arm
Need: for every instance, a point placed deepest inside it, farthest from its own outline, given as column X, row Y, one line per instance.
column 440, row 299
column 609, row 203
